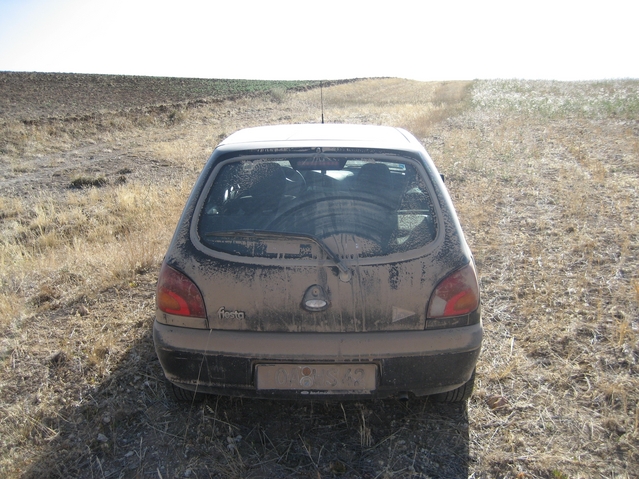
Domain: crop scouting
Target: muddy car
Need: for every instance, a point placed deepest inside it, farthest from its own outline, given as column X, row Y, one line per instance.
column 317, row 261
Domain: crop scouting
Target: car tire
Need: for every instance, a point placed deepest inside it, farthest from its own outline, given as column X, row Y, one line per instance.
column 461, row 394
column 179, row 394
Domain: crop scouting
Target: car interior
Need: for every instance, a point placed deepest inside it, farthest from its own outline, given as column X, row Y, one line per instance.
column 384, row 202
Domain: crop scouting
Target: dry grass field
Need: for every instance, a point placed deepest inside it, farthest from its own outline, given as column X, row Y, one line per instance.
column 545, row 178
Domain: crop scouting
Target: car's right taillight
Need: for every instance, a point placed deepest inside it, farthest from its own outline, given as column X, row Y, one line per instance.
column 455, row 295
column 177, row 294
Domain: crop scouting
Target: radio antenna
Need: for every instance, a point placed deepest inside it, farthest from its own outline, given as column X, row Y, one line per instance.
column 322, row 99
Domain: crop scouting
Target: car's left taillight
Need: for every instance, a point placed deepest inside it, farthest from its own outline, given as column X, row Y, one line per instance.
column 177, row 294
column 455, row 295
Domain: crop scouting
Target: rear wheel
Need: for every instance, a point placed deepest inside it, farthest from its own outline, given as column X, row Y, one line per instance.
column 462, row 393
column 183, row 395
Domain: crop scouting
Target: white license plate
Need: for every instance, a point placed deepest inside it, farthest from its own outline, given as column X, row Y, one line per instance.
column 332, row 378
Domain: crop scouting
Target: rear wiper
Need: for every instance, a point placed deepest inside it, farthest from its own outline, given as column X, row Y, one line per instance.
column 345, row 273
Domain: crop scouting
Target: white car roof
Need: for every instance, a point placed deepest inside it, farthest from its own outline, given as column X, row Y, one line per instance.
column 325, row 134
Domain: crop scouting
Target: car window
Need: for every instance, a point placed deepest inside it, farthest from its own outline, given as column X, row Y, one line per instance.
column 384, row 204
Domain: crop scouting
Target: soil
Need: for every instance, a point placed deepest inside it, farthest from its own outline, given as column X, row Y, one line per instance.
column 129, row 426
column 547, row 400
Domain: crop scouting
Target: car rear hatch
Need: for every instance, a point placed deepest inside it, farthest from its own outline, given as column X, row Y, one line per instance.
column 331, row 241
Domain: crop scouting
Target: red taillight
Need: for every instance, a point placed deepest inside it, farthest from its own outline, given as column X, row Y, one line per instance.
column 177, row 294
column 457, row 294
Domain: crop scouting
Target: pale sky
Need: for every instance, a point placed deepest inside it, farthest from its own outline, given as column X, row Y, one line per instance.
column 324, row 39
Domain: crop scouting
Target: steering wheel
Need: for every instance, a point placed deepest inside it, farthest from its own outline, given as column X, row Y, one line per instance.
column 295, row 181
column 345, row 216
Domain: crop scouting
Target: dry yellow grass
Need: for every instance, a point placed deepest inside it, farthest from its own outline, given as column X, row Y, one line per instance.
column 549, row 200
column 545, row 177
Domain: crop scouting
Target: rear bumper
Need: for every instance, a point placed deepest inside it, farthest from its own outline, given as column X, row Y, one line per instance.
column 223, row 362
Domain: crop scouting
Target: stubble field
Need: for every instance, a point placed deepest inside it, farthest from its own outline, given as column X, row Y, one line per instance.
column 544, row 176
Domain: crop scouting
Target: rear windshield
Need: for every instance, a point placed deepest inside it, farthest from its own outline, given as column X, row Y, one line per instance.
column 382, row 204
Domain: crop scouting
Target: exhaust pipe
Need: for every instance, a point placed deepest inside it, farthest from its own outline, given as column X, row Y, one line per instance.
column 403, row 396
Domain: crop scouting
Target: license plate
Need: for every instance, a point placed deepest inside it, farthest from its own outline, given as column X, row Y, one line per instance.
column 329, row 378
